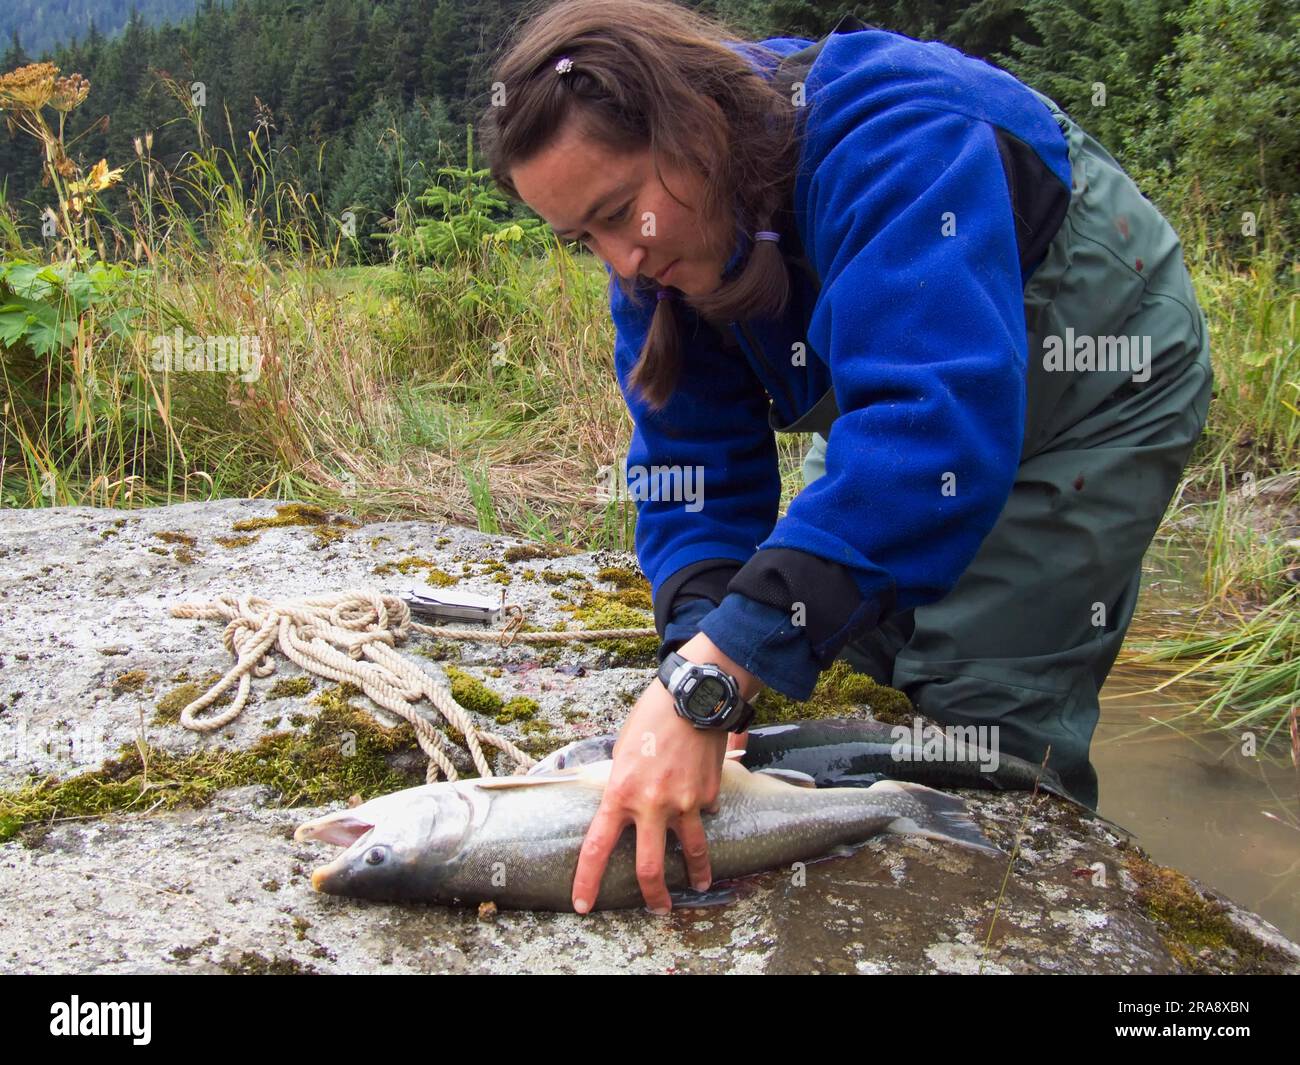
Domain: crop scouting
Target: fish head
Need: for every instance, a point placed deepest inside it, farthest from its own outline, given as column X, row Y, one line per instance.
column 395, row 844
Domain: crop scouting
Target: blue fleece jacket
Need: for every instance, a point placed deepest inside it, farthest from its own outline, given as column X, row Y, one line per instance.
column 904, row 207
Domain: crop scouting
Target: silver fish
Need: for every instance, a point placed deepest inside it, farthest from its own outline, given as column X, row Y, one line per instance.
column 515, row 840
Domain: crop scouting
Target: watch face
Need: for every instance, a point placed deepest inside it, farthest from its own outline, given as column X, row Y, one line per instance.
column 706, row 697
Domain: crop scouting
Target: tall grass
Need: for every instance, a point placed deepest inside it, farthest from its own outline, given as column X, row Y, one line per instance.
column 405, row 390
column 1239, row 504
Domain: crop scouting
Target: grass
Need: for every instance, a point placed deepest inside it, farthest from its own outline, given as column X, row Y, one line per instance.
column 1238, row 507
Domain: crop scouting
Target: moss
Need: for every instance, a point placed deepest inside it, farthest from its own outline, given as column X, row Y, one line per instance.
column 290, row 687
column 442, row 650
column 176, row 538
column 501, row 578
column 414, row 564
column 328, row 534
column 622, row 578
column 840, row 692
column 442, row 541
column 472, row 693
column 251, row 963
column 529, row 574
column 168, row 708
column 130, row 682
column 553, row 577
column 1190, row 923
column 549, row 656
column 603, row 610
column 527, row 552
column 158, row 550
column 289, row 514
column 520, row 708
column 235, row 541
column 107, row 533
column 375, row 541
column 635, row 597
column 327, row 529
column 344, row 752
column 536, row 728
column 185, row 556
column 186, row 953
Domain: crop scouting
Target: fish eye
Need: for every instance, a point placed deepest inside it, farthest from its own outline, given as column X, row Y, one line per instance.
column 375, row 855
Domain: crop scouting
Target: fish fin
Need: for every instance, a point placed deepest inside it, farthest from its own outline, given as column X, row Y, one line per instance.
column 555, row 776
column 946, row 817
column 790, row 776
column 689, row 899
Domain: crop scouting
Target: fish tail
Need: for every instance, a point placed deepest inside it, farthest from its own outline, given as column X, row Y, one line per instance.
column 943, row 817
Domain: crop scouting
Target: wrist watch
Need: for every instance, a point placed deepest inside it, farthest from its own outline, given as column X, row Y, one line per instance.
column 706, row 695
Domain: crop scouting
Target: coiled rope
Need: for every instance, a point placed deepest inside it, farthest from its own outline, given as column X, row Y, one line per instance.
column 350, row 636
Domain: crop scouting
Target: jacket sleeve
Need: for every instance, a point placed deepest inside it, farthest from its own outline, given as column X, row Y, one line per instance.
column 702, row 471
column 921, row 318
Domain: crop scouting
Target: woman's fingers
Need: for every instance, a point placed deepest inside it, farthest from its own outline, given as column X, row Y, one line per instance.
column 689, row 830
column 651, row 835
column 602, row 836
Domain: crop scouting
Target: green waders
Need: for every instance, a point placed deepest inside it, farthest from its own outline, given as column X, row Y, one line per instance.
column 1026, row 637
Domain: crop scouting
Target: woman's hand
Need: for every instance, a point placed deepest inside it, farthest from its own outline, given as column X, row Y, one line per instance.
column 665, row 772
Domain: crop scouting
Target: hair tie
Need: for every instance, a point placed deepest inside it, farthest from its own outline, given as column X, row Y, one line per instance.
column 766, row 234
column 664, row 294
column 563, row 65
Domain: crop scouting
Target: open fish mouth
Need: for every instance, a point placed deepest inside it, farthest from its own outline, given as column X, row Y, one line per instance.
column 343, row 828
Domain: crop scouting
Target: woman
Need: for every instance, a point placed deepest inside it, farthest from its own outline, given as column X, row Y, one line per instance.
column 923, row 261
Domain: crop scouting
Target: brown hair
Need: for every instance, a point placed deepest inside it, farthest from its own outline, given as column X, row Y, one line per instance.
column 653, row 74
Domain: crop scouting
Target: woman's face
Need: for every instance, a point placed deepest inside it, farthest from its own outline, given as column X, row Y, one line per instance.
column 616, row 205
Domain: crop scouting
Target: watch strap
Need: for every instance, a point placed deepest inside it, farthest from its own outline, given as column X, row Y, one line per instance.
column 741, row 714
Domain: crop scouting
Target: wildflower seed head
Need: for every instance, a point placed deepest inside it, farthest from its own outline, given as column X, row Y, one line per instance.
column 69, row 92
column 28, row 88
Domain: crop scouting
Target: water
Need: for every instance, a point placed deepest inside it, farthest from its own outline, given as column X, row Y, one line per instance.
column 1196, row 801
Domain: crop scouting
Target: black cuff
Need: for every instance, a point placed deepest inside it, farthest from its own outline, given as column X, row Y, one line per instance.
column 706, row 579
column 833, row 608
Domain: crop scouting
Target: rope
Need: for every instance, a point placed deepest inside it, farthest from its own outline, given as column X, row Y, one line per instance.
column 350, row 636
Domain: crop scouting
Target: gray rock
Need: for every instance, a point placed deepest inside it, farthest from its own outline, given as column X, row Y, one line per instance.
column 90, row 647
